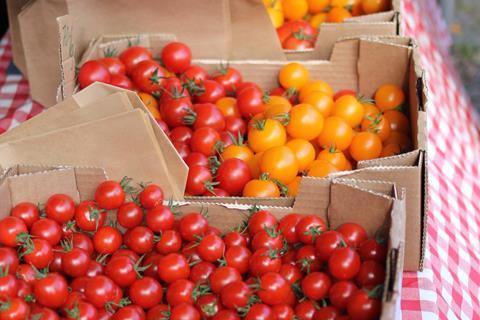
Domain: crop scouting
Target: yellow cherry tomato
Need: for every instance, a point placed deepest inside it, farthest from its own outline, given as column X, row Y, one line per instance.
column 293, row 187
column 317, row 19
column 257, row 188
column 280, row 164
column 304, row 152
column 322, row 101
column 365, row 146
column 264, row 134
column 228, row 106
column 398, row 121
column 151, row 103
column 378, row 125
column 294, row 9
column 338, row 14
column 316, row 6
column 348, row 108
column 336, row 133
column 336, row 158
column 293, row 75
column 389, row 97
column 391, row 149
column 315, row 85
column 276, row 16
column 305, row 122
column 320, row 169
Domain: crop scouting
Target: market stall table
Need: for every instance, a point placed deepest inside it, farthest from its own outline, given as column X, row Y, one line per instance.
column 448, row 287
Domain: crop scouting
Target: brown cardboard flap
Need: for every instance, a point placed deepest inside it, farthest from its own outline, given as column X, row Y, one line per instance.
column 270, row 202
column 38, row 29
column 376, row 53
column 253, row 35
column 14, row 7
column 408, row 159
column 386, row 188
column 313, row 196
column 351, row 204
column 101, row 143
column 104, row 107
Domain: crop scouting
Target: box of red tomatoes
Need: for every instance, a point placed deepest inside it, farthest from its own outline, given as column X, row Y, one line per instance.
column 268, row 145
column 113, row 248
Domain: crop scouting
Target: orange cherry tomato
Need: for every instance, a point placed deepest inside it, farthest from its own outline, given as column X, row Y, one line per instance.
column 293, row 75
column 344, row 92
column 293, row 187
column 365, row 146
column 277, row 100
column 342, row 3
column 389, row 97
column 336, row 158
column 265, row 134
column 235, row 151
column 370, row 110
column 322, row 101
column 317, row 19
column 374, row 6
column 378, row 125
column 228, row 106
column 306, row 122
column 317, row 6
column 348, row 108
column 257, row 188
column 401, row 139
column 294, row 9
column 357, row 9
column 320, row 169
column 315, row 85
column 280, row 163
column 278, row 112
column 304, row 152
column 398, row 121
column 151, row 103
column 391, row 149
column 337, row 133
column 338, row 14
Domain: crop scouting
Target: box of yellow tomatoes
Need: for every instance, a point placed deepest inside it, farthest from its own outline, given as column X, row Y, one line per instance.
column 307, row 29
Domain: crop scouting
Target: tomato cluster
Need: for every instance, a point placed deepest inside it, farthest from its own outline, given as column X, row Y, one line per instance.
column 238, row 140
column 66, row 261
column 297, row 21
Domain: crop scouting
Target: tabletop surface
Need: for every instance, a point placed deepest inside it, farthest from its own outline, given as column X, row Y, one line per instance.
column 448, row 288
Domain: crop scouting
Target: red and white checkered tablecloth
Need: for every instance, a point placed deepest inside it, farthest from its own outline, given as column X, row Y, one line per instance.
column 449, row 287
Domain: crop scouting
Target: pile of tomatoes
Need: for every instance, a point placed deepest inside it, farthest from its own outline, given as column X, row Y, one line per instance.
column 239, row 140
column 297, row 21
column 66, row 261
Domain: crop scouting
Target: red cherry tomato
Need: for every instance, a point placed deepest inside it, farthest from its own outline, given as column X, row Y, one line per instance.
column 235, row 295
column 204, row 141
column 344, row 263
column 340, row 292
column 180, row 291
column 88, row 216
column 121, row 81
column 229, row 78
column 139, row 239
column 172, row 267
column 92, row 71
column 211, row 248
column 315, row 285
column 181, row 134
column 326, row 243
column 132, row 56
column 309, row 228
column 372, row 273
column 51, row 291
column 114, row 65
column 201, row 272
column 148, row 76
column 176, row 56
column 206, row 115
column 211, row 92
column 223, row 276
column 353, row 233
column 373, row 250
column 362, row 306
column 287, row 227
column 107, row 240
column 146, row 292
column 110, row 195
column 129, row 215
column 195, row 74
column 151, row 196
column 261, row 220
column 60, row 207
column 232, row 175
column 249, row 102
column 238, row 257
column 26, row 211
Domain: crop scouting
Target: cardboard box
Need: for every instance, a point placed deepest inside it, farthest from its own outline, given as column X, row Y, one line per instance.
column 346, row 201
column 229, row 29
column 102, row 126
column 354, row 65
column 253, row 29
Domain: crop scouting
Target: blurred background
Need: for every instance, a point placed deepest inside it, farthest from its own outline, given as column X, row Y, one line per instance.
column 463, row 17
